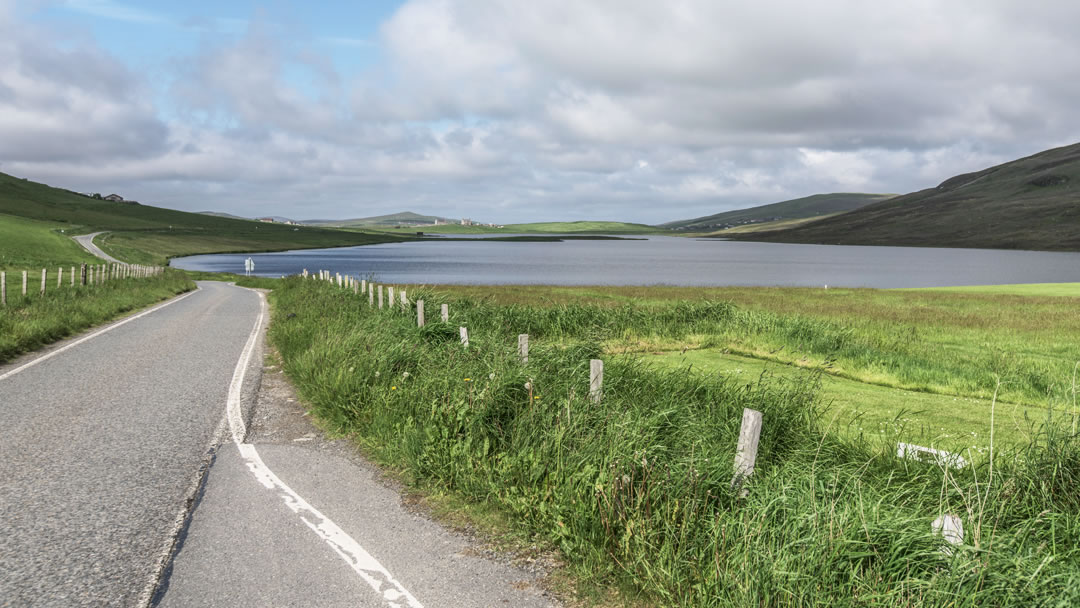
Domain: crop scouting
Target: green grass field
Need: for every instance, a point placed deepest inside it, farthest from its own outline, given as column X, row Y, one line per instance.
column 636, row 491
column 31, row 245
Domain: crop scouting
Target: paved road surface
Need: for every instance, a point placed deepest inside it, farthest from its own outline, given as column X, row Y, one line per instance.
column 87, row 241
column 103, row 459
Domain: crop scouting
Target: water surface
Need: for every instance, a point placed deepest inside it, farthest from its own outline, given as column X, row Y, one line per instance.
column 660, row 260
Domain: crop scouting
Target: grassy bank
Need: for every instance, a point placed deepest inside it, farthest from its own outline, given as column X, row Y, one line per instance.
column 636, row 489
column 34, row 321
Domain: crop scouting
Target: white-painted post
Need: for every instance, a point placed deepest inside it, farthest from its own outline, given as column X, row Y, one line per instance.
column 404, row 301
column 390, row 293
column 24, row 283
column 523, row 347
column 371, row 296
column 73, row 276
column 355, row 288
column 951, row 528
column 3, row 288
column 445, row 313
column 363, row 285
column 380, row 297
column 464, row 336
column 42, row 281
column 596, row 380
column 59, row 277
column 419, row 313
column 746, row 452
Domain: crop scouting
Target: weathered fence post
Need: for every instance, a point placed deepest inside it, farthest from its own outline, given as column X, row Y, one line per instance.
column 363, row 285
column 445, row 313
column 596, row 380
column 371, row 296
column 419, row 313
column 951, row 528
column 24, row 283
column 404, row 301
column 746, row 452
column 464, row 336
column 3, row 288
column 73, row 276
column 355, row 288
column 390, row 293
column 42, row 281
column 82, row 274
column 380, row 297
column 59, row 277
column 523, row 347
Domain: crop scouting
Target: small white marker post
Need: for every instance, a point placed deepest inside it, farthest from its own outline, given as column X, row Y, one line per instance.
column 445, row 313
column 419, row 313
column 596, row 380
column 42, row 281
column 3, row 288
column 464, row 336
column 951, row 528
column 746, row 452
column 380, row 296
column 523, row 347
column 24, row 283
column 59, row 277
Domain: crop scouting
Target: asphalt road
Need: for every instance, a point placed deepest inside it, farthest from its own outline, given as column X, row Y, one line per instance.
column 129, row 476
column 87, row 242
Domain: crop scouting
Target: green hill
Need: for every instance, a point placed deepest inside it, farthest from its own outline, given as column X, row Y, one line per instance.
column 1030, row 203
column 405, row 218
column 582, row 227
column 140, row 233
column 808, row 206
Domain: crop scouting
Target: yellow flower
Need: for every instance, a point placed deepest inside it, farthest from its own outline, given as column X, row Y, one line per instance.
column 536, row 397
column 393, row 388
column 467, row 379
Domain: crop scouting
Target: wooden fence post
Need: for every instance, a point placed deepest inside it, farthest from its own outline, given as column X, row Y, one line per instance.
column 390, row 293
column 404, row 301
column 24, row 283
column 419, row 313
column 445, row 313
column 596, row 380
column 746, row 452
column 355, row 288
column 363, row 285
column 523, row 347
column 3, row 288
column 59, row 277
column 73, row 276
column 464, row 336
column 42, row 281
column 371, row 296
column 380, row 297
column 82, row 274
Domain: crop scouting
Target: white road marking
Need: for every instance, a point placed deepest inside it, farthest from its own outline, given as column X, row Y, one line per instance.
column 91, row 336
column 362, row 562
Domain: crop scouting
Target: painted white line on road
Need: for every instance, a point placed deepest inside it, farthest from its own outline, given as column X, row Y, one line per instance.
column 362, row 562
column 91, row 336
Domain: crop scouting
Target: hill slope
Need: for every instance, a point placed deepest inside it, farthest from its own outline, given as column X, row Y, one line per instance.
column 147, row 234
column 808, row 206
column 1030, row 203
column 405, row 218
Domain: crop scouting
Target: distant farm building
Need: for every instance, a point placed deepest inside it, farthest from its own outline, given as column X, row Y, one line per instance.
column 268, row 220
column 115, row 198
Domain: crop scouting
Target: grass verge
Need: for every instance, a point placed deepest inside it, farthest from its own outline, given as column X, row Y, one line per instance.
column 34, row 321
column 636, row 489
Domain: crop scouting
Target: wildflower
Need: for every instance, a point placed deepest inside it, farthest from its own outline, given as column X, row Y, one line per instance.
column 405, row 374
column 536, row 397
column 491, row 376
column 393, row 388
column 376, row 374
column 528, row 385
column 468, row 379
column 351, row 368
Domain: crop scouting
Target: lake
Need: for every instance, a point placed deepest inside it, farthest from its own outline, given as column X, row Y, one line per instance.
column 659, row 260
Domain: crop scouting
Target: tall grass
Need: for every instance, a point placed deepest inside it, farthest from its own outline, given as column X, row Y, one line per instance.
column 636, row 489
column 29, row 322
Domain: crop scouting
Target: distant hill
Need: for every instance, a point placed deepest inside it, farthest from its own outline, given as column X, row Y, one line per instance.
column 1030, row 203
column 808, row 206
column 223, row 214
column 405, row 218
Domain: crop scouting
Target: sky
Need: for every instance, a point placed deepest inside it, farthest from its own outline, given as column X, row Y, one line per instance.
column 510, row 111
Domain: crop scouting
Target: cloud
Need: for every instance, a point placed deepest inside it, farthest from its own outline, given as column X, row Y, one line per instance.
column 551, row 110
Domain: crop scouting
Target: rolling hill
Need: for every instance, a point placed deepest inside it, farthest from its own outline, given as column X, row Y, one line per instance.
column 1030, row 203
column 144, row 233
column 405, row 218
column 808, row 206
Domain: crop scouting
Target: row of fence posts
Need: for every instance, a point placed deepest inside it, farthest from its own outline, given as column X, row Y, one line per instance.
column 948, row 526
column 94, row 274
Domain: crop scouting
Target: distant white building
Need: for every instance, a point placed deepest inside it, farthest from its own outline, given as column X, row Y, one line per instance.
column 466, row 221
